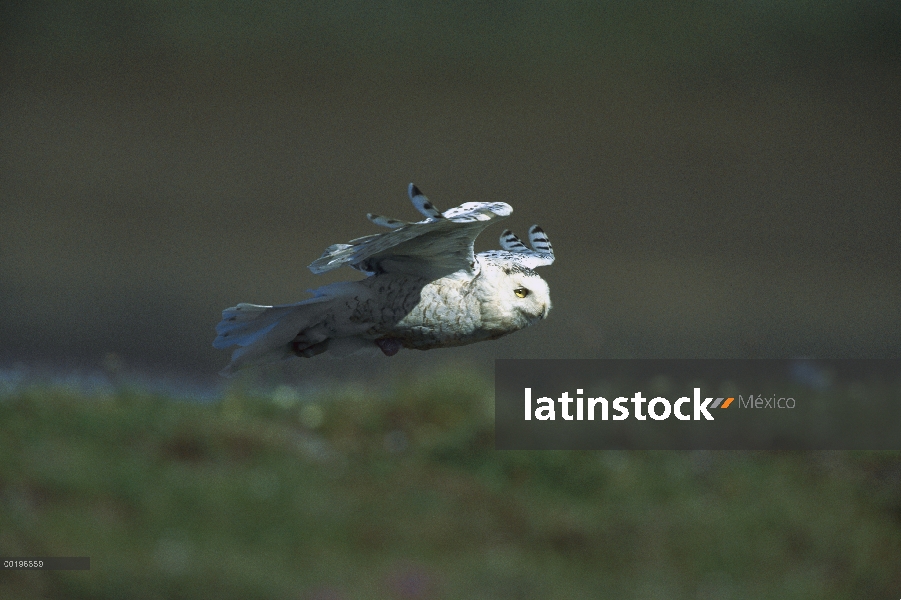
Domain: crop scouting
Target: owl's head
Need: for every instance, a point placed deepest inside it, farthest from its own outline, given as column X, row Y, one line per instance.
column 511, row 296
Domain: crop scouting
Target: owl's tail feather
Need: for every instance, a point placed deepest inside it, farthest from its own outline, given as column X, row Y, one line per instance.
column 265, row 333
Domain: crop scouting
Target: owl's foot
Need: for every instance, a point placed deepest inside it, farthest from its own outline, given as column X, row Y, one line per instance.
column 390, row 346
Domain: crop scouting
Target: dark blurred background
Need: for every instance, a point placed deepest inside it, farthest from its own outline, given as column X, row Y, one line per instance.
column 718, row 179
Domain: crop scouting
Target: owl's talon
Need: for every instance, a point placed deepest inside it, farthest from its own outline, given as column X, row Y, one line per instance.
column 390, row 346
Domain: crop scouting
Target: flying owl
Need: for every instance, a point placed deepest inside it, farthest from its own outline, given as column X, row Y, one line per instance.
column 425, row 288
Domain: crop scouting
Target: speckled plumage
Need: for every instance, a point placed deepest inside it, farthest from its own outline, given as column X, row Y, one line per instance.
column 425, row 288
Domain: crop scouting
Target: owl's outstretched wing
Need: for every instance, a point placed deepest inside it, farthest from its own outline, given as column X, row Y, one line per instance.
column 437, row 246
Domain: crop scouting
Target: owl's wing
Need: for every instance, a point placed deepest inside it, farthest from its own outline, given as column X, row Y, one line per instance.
column 540, row 254
column 439, row 245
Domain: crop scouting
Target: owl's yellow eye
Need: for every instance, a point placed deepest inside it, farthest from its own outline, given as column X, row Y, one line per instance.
column 521, row 292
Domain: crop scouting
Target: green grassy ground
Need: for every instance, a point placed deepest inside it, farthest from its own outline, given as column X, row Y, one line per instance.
column 348, row 495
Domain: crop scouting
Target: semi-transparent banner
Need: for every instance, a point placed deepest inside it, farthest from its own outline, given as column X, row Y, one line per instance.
column 698, row 404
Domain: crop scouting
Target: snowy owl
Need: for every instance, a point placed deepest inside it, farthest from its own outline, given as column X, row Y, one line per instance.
column 425, row 288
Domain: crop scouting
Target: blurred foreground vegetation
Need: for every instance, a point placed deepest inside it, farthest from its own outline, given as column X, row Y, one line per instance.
column 348, row 493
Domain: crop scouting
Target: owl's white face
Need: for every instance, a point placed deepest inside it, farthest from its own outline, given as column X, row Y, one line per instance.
column 511, row 296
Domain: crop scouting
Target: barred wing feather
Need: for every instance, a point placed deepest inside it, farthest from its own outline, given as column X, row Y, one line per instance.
column 440, row 244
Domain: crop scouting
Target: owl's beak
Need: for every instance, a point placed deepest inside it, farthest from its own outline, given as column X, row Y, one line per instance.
column 545, row 309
